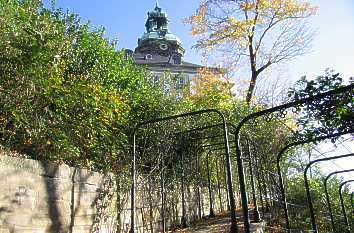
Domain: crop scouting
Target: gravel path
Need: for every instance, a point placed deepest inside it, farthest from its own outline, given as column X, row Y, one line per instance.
column 214, row 225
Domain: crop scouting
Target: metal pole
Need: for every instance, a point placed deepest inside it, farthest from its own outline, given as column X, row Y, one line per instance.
column 233, row 227
column 312, row 212
column 282, row 190
column 342, row 204
column 280, row 175
column 282, row 107
column 259, row 185
column 225, row 181
column 256, row 216
column 242, row 180
column 132, row 195
column 198, row 187
column 163, row 220
column 265, row 188
column 183, row 218
column 327, row 195
column 219, row 187
column 211, row 210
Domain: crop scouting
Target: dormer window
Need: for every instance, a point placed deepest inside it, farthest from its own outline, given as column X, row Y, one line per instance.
column 148, row 57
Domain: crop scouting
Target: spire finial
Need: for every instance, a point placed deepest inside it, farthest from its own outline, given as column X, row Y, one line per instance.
column 157, row 3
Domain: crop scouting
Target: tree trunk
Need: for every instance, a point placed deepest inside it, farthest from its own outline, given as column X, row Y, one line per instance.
column 254, row 72
column 251, row 87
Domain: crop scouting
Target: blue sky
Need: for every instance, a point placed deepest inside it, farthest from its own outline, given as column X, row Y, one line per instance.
column 333, row 46
column 125, row 20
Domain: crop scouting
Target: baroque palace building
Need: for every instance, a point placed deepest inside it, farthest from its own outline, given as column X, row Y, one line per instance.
column 161, row 52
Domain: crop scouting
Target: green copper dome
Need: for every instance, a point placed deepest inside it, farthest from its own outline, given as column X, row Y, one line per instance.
column 157, row 27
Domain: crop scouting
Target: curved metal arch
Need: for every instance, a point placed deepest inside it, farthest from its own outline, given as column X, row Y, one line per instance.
column 211, row 208
column 327, row 195
column 352, row 201
column 183, row 218
column 162, row 166
column 256, row 214
column 243, row 190
column 198, row 172
column 211, row 212
column 342, row 203
column 280, row 176
column 234, row 227
column 308, row 194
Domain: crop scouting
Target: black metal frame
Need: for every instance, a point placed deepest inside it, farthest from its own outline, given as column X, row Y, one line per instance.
column 227, row 158
column 280, row 176
column 342, row 204
column 308, row 194
column 352, row 202
column 256, row 214
column 255, row 115
column 282, row 112
column 211, row 209
column 327, row 194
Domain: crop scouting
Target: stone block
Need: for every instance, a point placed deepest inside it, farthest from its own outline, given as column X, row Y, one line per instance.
column 4, row 229
column 84, row 220
column 82, row 229
column 41, row 220
column 35, row 195
column 83, row 210
column 14, row 164
column 88, row 177
column 257, row 227
column 85, row 187
column 19, row 229
column 56, row 171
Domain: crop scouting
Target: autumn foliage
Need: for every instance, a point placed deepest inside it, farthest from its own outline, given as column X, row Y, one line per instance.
column 258, row 33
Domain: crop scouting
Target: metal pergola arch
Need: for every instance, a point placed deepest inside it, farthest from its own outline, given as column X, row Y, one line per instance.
column 280, row 176
column 327, row 194
column 281, row 109
column 227, row 158
column 342, row 203
column 202, row 146
column 308, row 194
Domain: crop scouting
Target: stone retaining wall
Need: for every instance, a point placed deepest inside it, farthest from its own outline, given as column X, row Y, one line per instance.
column 38, row 197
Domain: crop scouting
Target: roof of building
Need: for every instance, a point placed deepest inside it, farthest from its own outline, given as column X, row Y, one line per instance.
column 162, row 61
column 150, row 51
column 157, row 27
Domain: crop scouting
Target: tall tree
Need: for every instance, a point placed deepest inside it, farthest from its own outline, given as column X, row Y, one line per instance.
column 259, row 32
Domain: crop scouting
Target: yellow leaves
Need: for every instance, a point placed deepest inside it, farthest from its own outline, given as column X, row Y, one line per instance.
column 239, row 24
column 209, row 89
column 247, row 6
column 198, row 21
column 291, row 124
column 282, row 9
column 27, row 141
column 238, row 30
column 206, row 81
